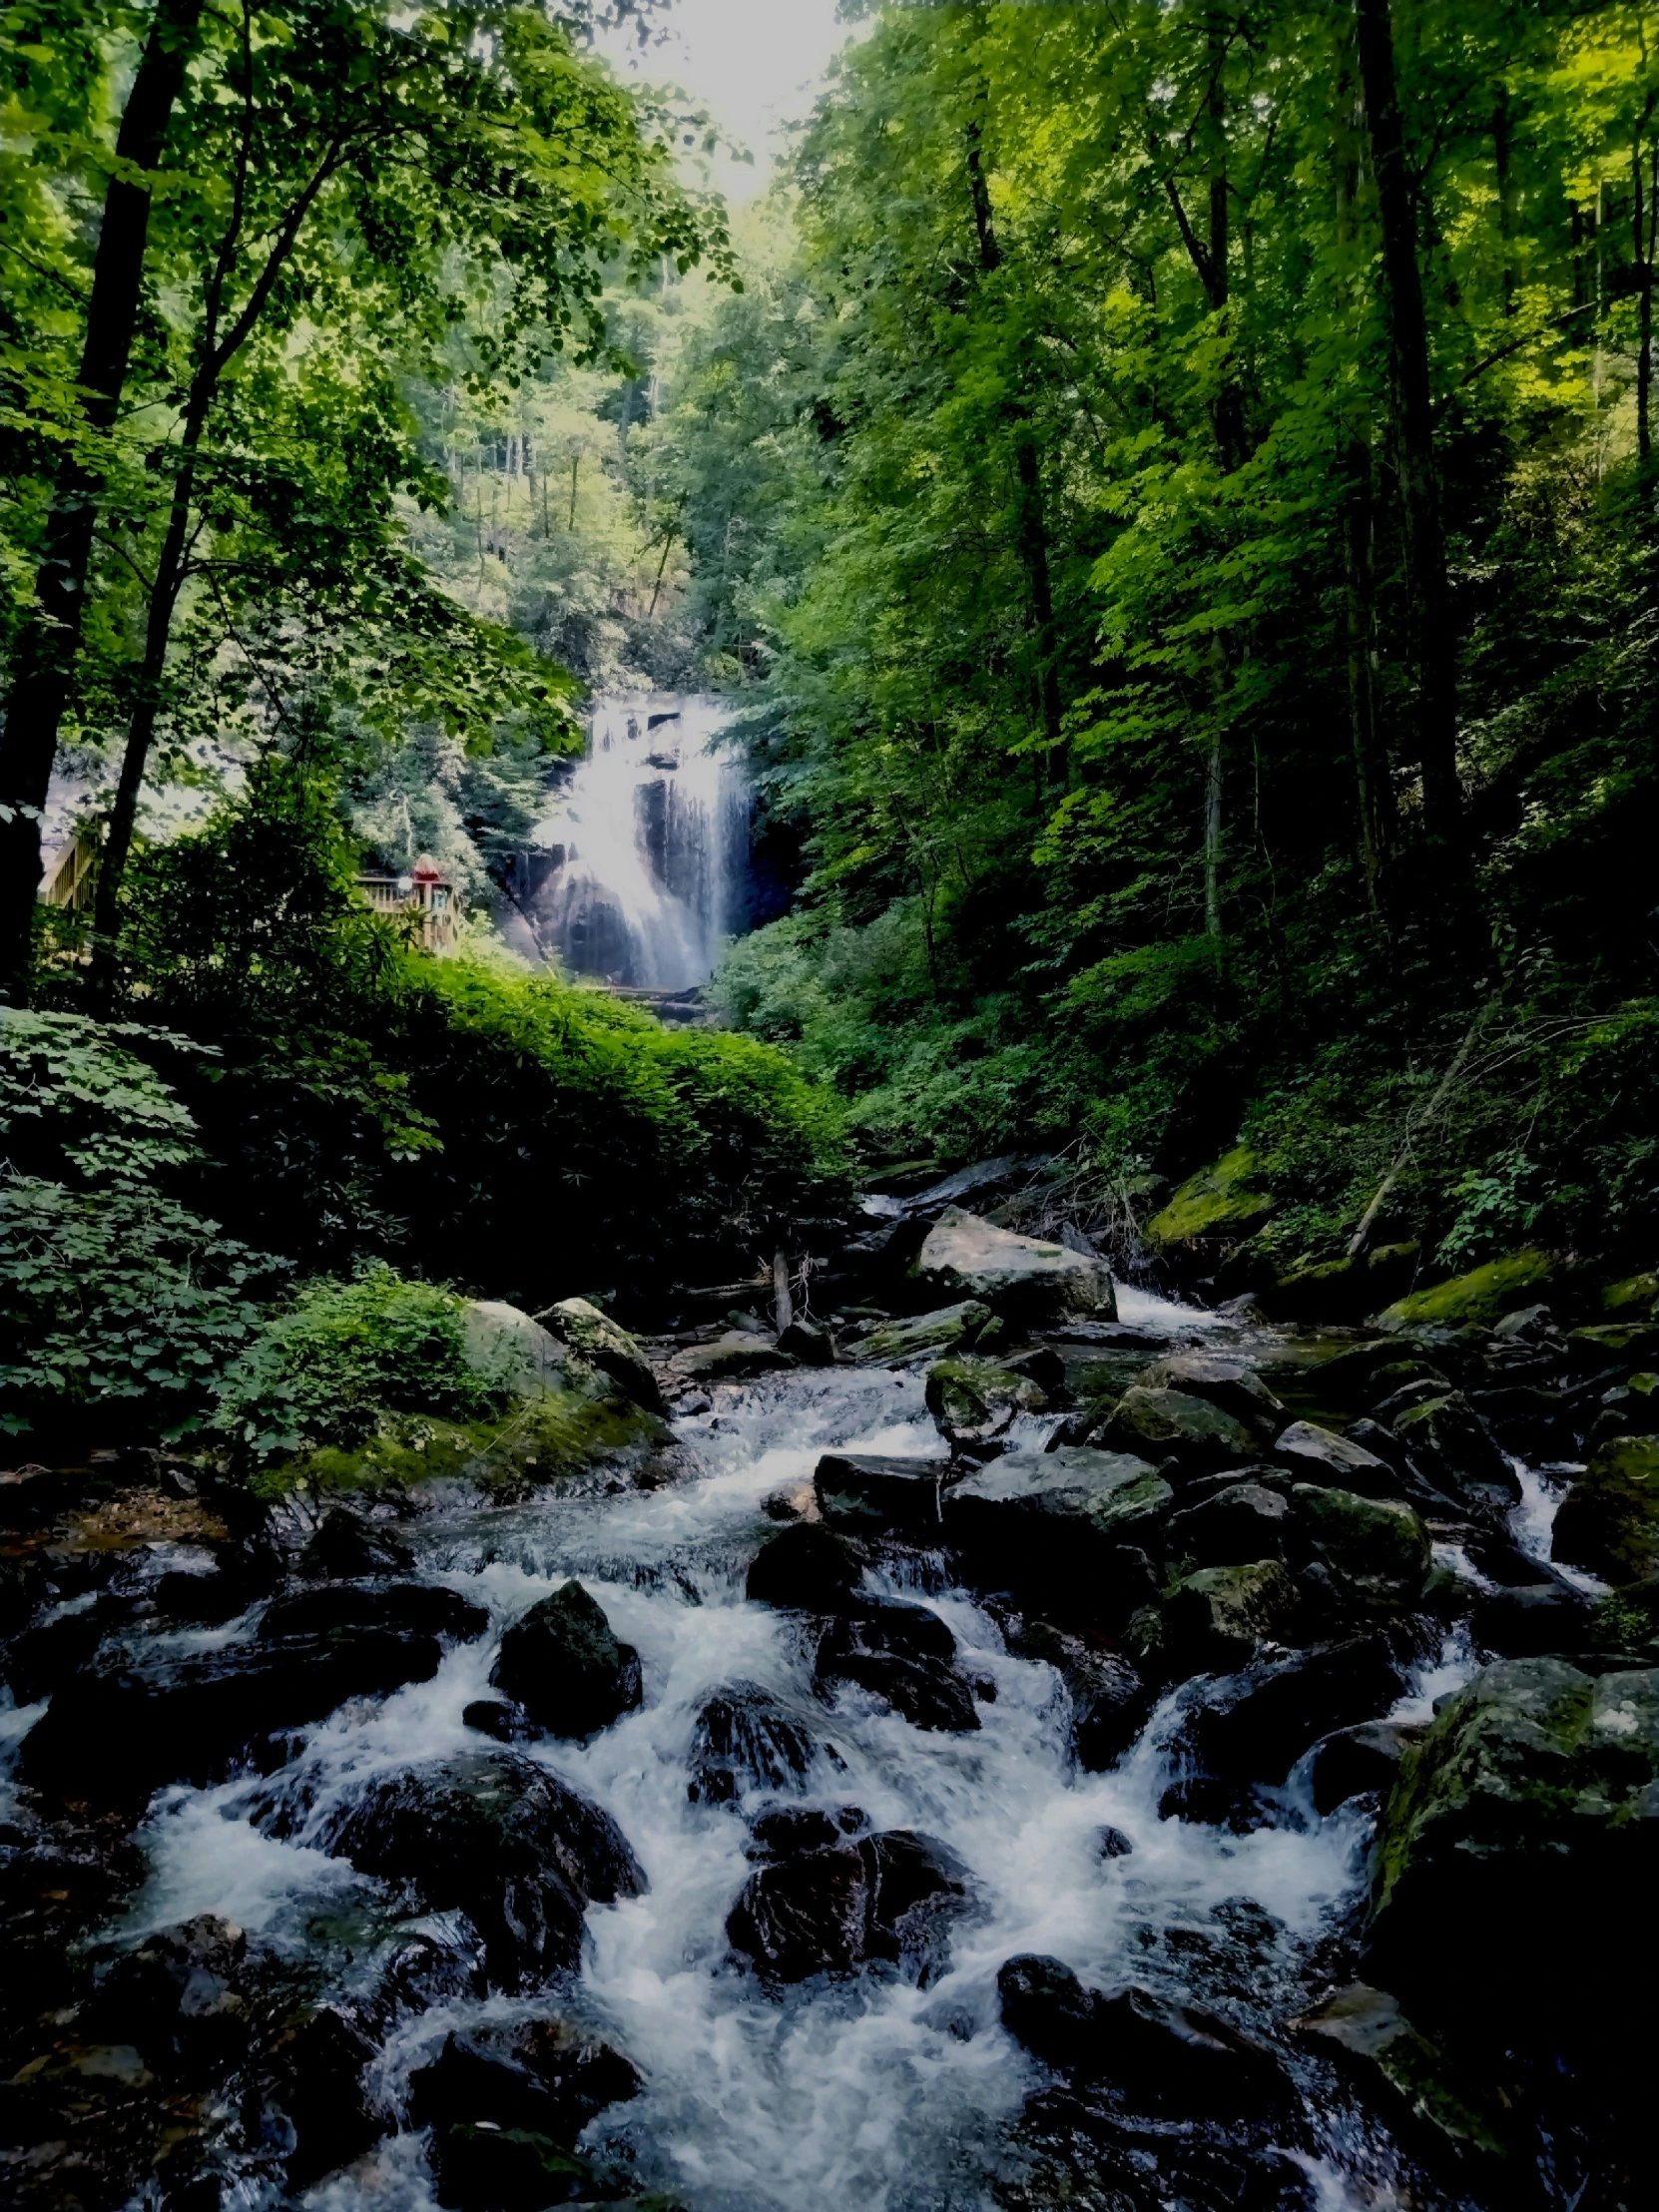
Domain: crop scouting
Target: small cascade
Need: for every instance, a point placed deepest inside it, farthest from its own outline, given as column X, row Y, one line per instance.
column 639, row 871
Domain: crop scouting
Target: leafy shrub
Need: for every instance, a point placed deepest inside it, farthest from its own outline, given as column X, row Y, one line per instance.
column 342, row 1355
column 112, row 1290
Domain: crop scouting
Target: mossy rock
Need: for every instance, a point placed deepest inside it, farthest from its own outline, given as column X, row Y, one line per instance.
column 973, row 1399
column 1608, row 1522
column 560, row 1436
column 1376, row 1544
column 1480, row 1296
column 1344, row 1290
column 1633, row 1299
column 1514, row 1856
column 1218, row 1200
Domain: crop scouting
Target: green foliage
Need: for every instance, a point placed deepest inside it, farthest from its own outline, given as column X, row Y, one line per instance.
column 115, row 1297
column 332, row 1364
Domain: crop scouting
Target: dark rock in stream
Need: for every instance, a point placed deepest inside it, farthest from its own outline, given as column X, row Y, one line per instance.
column 903, row 1654
column 1238, row 1731
column 498, row 1838
column 862, row 1494
column 788, row 1829
column 1156, row 2055
column 807, row 1568
column 505, row 2105
column 1364, row 1759
column 347, row 1548
column 306, row 2100
column 1608, row 1522
column 1066, row 1527
column 1532, row 1620
column 1240, row 1523
column 1378, row 1548
column 1200, row 1435
column 745, row 1739
column 114, row 1734
column 1110, row 1703
column 892, row 1898
column 1517, row 1858
column 408, row 1608
column 563, row 1665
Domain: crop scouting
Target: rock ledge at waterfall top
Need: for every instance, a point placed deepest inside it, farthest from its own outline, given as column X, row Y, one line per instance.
column 1021, row 1278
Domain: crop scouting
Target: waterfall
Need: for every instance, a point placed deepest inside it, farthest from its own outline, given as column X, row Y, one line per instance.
column 638, row 872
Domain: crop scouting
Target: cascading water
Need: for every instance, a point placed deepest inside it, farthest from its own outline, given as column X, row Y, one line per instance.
column 867, row 2094
column 637, row 876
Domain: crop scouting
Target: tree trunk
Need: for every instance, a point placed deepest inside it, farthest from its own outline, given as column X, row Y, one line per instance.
column 140, row 730
column 1372, row 784
column 1371, row 763
column 1424, row 532
column 783, row 1305
column 1641, row 226
column 51, row 637
column 1033, row 525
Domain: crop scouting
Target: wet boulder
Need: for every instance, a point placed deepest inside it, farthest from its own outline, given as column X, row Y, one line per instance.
column 736, row 1357
column 1367, row 2035
column 1364, row 1759
column 1627, row 1345
column 1608, row 1522
column 1375, row 1547
column 809, row 1342
column 1531, row 1620
column 865, row 1493
column 807, row 1568
column 498, row 1838
column 308, row 2099
column 1157, row 2055
column 347, row 1548
column 1067, row 1525
column 1217, row 1618
column 1533, row 1423
column 1024, row 1279
column 901, row 1654
column 786, row 1830
column 1240, row 1523
column 179, row 1998
column 607, row 1347
column 1110, row 1703
column 911, row 1675
column 947, row 1330
column 744, row 1738
column 1232, row 1384
column 1516, row 1850
column 1316, row 1455
column 536, row 2082
column 564, row 1667
column 113, row 1733
column 1160, row 1424
column 1237, row 1731
column 406, row 1609
column 1451, row 1448
column 975, row 1401
column 892, row 1898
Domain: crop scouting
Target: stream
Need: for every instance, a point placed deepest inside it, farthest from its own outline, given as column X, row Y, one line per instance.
column 863, row 2092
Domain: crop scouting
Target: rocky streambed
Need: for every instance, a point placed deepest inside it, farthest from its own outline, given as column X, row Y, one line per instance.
column 1155, row 1760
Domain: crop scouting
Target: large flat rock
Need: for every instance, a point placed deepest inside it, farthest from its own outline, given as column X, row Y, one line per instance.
column 1022, row 1278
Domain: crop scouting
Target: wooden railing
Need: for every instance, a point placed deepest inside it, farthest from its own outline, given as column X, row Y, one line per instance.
column 424, row 898
column 69, row 882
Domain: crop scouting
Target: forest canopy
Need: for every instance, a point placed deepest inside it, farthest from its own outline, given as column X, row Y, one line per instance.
column 1167, row 489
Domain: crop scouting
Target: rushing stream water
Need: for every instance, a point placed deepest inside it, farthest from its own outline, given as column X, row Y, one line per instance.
column 866, row 2094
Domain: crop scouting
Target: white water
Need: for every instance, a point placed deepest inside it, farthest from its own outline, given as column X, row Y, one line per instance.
column 874, row 2096
column 653, row 830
